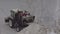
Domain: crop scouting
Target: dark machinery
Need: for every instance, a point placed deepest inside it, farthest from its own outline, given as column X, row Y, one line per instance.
column 26, row 18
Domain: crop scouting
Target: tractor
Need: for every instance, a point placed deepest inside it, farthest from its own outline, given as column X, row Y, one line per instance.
column 26, row 18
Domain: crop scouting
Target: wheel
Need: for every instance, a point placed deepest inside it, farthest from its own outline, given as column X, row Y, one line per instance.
column 25, row 24
column 17, row 29
column 10, row 24
column 6, row 20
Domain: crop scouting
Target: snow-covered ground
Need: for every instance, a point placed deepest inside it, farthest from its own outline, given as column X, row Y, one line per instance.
column 36, row 29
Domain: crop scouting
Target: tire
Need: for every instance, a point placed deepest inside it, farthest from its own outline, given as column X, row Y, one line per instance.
column 17, row 29
column 25, row 24
column 6, row 20
column 10, row 24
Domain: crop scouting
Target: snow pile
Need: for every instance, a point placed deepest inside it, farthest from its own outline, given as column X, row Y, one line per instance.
column 36, row 29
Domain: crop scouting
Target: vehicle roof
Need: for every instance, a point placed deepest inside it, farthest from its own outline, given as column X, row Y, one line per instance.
column 15, row 10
